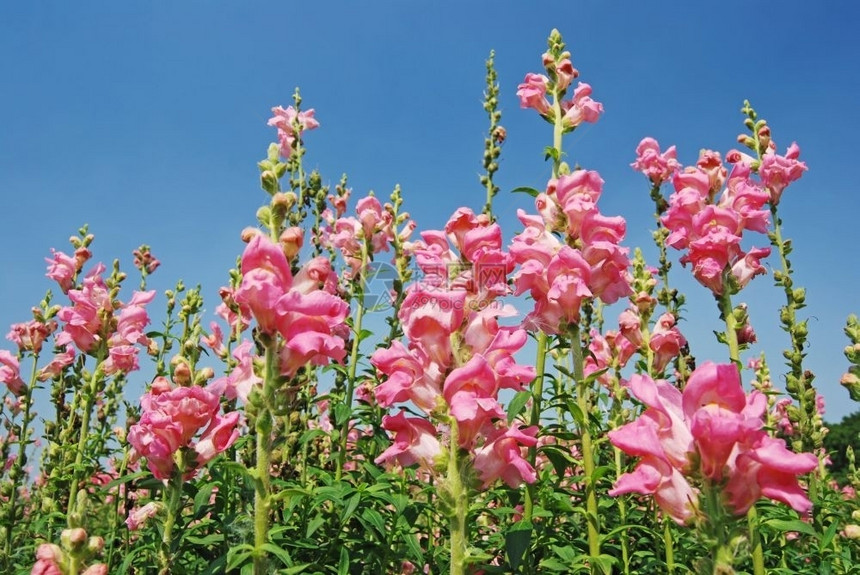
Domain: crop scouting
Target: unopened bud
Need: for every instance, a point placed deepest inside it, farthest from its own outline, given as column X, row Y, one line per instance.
column 182, row 373
column 95, row 544
column 249, row 233
column 852, row 531
column 73, row 539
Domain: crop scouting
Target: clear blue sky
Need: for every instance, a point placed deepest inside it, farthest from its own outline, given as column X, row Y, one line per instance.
column 147, row 122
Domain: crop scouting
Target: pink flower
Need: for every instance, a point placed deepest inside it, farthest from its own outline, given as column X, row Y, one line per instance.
column 777, row 172
column 577, row 194
column 666, row 341
column 532, row 93
column 140, row 515
column 10, row 372
column 49, row 557
column 655, row 166
column 411, row 377
column 220, row 435
column 310, row 324
column 501, row 456
column 581, row 108
column 242, row 379
column 83, row 320
column 171, row 419
column 470, row 392
column 62, row 269
column 673, row 493
column 266, row 277
column 414, row 441
column 749, row 265
column 766, row 468
column 96, row 569
column 290, row 125
column 29, row 336
column 429, row 317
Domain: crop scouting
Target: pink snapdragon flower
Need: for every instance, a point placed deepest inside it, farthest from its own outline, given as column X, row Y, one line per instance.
column 666, row 341
column 501, row 457
column 170, row 421
column 581, row 108
column 713, row 433
column 777, row 172
column 532, row 94
column 290, row 125
column 10, row 372
column 415, row 441
column 138, row 516
column 29, row 336
column 83, row 323
column 656, row 166
column 49, row 558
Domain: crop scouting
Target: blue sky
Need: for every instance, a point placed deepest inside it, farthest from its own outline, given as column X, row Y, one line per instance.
column 147, row 122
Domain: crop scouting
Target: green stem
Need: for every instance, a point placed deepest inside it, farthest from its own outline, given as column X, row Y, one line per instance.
column 460, row 501
column 17, row 472
column 353, row 365
column 583, row 402
column 172, row 499
column 534, row 419
column 669, row 547
column 263, row 489
column 89, row 394
column 622, row 515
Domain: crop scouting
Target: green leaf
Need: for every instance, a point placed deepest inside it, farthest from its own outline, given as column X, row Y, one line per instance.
column 238, row 555
column 517, row 541
column 281, row 554
column 350, row 507
column 202, row 497
column 792, row 525
column 517, row 403
column 526, row 190
column 343, row 565
column 313, row 525
column 374, row 518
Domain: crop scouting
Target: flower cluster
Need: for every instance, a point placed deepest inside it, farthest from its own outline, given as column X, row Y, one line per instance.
column 560, row 73
column 290, row 124
column 712, row 433
column 591, row 264
column 51, row 559
column 167, row 433
column 458, row 357
column 302, row 309
column 711, row 228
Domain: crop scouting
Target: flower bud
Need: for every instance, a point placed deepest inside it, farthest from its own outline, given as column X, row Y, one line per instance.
column 95, row 544
column 852, row 531
column 73, row 539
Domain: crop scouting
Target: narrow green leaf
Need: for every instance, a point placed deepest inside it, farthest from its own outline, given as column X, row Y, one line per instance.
column 526, row 190
column 517, row 403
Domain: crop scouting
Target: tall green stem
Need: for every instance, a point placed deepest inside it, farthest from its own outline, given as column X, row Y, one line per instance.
column 90, row 392
column 583, row 401
column 172, row 499
column 460, row 505
column 263, row 488
column 534, row 418
column 353, row 364
column 17, row 472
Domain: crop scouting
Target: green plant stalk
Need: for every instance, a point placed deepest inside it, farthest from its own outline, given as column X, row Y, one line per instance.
column 460, row 502
column 668, row 547
column 18, row 468
column 89, row 399
column 731, row 334
column 534, row 418
column 117, row 501
column 622, row 514
column 353, row 366
column 172, row 499
column 582, row 401
column 263, row 487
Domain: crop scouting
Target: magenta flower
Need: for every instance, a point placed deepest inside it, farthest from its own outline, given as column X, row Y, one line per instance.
column 777, row 172
column 290, row 125
column 581, row 108
column 501, row 457
column 532, row 93
column 657, row 167
column 712, row 433
column 414, row 441
column 10, row 372
column 169, row 422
